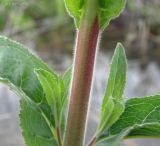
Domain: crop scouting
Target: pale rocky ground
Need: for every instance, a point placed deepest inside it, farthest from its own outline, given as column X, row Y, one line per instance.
column 139, row 83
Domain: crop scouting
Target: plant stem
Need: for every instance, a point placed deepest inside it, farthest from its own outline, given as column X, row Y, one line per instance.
column 59, row 138
column 84, row 60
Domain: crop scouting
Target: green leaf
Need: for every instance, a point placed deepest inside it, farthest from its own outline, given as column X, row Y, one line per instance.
column 143, row 115
column 51, row 88
column 67, row 77
column 106, row 113
column 56, row 92
column 151, row 130
column 17, row 70
column 67, row 80
column 113, row 140
column 141, row 118
column 17, row 65
column 117, row 111
column 117, row 77
column 106, row 10
column 75, row 9
column 113, row 104
column 109, row 9
column 35, row 129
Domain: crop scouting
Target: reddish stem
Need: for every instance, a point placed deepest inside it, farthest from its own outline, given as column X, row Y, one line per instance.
column 81, row 83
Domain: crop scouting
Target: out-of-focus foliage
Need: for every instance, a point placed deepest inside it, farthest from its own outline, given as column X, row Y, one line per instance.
column 146, row 8
column 23, row 14
column 36, row 23
column 45, row 24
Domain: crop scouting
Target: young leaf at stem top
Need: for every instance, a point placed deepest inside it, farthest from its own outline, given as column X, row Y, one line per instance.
column 113, row 104
column 75, row 9
column 106, row 10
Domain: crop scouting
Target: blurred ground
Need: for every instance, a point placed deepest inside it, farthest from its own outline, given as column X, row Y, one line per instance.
column 49, row 32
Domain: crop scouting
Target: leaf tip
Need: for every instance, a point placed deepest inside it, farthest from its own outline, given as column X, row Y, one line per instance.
column 120, row 46
column 121, row 50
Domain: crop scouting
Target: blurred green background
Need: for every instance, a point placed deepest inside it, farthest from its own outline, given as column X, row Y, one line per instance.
column 45, row 27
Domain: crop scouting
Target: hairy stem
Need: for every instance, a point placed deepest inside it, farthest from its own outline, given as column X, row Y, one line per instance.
column 86, row 45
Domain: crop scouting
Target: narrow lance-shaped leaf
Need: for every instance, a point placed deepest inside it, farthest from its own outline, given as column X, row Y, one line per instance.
column 67, row 81
column 113, row 106
column 51, row 89
column 67, row 76
column 17, row 70
column 56, row 92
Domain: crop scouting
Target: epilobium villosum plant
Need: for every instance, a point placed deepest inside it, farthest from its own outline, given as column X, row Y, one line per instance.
column 45, row 95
